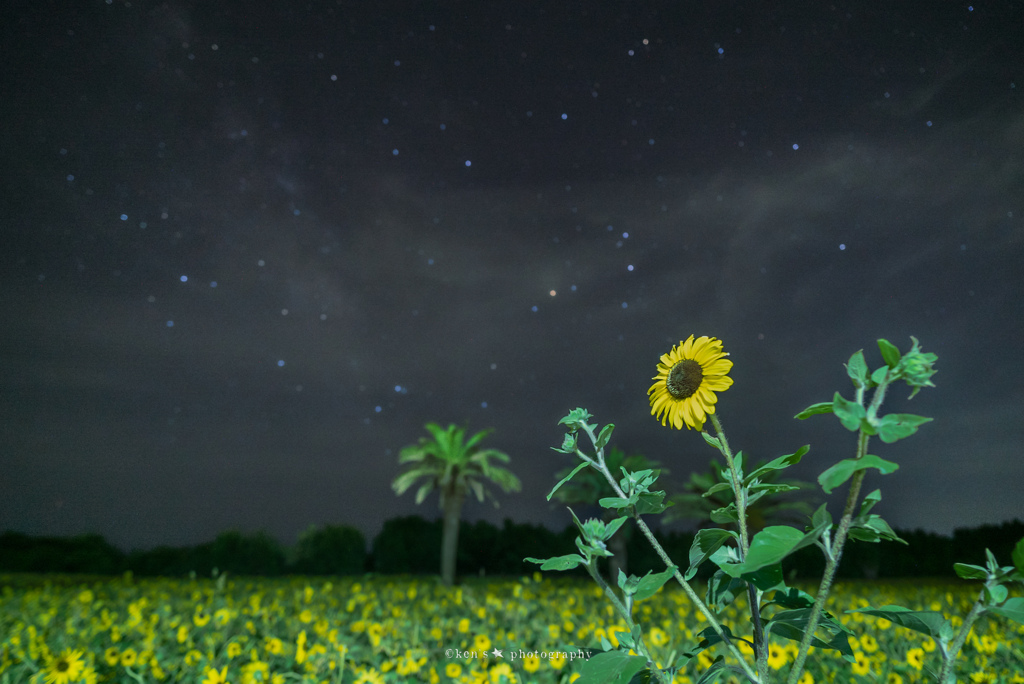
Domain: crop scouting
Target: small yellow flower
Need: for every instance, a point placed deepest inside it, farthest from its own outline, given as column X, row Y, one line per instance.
column 893, row 678
column 776, row 657
column 806, row 678
column 182, row 634
column 234, row 650
column 128, row 657
column 915, row 658
column 370, row 676
column 112, row 656
column 212, row 676
column 66, row 667
column 531, row 663
column 256, row 672
column 502, row 670
column 868, row 643
column 452, row 670
column 687, row 379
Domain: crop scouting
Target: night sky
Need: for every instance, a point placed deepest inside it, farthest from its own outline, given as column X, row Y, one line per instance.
column 250, row 248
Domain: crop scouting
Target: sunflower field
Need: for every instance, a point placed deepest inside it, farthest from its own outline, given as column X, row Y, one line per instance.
column 63, row 629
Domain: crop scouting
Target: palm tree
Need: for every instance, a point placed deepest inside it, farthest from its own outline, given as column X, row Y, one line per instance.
column 454, row 466
column 589, row 485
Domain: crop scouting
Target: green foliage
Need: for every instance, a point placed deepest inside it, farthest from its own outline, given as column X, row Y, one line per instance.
column 239, row 554
column 750, row 563
column 407, row 544
column 330, row 550
column 88, row 553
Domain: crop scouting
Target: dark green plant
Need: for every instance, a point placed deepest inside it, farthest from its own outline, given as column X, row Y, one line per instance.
column 590, row 486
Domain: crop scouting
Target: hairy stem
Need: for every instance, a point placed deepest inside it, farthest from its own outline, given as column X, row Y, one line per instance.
column 832, row 565
column 687, row 589
column 947, row 676
column 760, row 647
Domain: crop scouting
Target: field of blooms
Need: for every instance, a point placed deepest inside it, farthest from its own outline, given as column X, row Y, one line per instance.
column 399, row 629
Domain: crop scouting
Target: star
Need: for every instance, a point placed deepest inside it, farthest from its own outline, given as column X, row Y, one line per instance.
column 496, row 653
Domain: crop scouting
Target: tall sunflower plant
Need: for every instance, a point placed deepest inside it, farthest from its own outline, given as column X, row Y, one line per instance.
column 684, row 393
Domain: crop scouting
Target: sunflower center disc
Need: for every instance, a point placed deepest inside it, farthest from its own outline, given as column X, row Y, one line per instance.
column 684, row 379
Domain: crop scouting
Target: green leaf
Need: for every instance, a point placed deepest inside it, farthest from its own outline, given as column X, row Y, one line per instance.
column 1012, row 609
column 714, row 489
column 792, row 624
column 778, row 463
column 726, row 514
column 568, row 477
column 558, row 563
column 1018, row 556
column 424, row 491
column 613, row 527
column 815, row 409
column 575, row 418
column 650, row 584
column 792, row 598
column 768, row 578
column 713, row 441
column 768, row 547
column 966, row 571
column 606, row 434
column 717, row 669
column 869, row 501
column 651, row 502
column 705, row 543
column 896, row 426
column 857, row 369
column 723, row 590
column 614, row 502
column 924, row 621
column 844, row 470
column 769, row 488
column 568, row 444
column 996, row 594
column 873, row 529
column 710, row 637
column 890, row 353
column 612, row 667
column 850, row 413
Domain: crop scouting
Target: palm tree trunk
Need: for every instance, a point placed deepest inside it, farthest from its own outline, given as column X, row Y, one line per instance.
column 452, row 507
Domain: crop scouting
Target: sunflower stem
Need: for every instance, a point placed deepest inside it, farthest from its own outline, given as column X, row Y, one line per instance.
column 626, row 614
column 687, row 589
column 760, row 647
column 842, row 530
column 947, row 676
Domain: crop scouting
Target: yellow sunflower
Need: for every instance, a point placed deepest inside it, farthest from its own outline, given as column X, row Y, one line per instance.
column 687, row 379
column 66, row 667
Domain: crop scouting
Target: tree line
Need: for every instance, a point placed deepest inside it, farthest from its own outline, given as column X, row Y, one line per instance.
column 412, row 545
